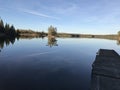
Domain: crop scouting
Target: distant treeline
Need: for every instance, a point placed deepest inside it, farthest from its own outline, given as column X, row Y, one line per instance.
column 70, row 35
column 31, row 33
column 7, row 30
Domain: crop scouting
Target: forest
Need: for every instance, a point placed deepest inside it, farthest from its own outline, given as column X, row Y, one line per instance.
column 7, row 30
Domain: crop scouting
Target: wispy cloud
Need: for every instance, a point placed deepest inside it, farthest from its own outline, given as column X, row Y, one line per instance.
column 37, row 54
column 66, row 9
column 1, row 8
column 38, row 14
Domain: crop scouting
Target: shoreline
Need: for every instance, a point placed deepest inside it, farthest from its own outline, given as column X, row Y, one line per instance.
column 109, row 36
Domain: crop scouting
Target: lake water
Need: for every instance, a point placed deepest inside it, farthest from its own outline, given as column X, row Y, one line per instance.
column 45, row 64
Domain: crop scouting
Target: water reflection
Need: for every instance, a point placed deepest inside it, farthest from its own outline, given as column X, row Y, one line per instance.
column 31, row 37
column 118, row 42
column 6, row 41
column 52, row 42
column 69, row 68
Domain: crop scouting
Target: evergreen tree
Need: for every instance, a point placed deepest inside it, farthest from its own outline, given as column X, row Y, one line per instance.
column 1, row 26
column 7, row 30
column 7, row 27
column 12, row 32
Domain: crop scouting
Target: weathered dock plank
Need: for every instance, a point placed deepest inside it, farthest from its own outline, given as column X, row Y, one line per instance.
column 107, row 62
column 107, row 53
column 106, row 71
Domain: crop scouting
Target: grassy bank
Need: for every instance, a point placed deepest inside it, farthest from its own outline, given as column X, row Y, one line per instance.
column 67, row 35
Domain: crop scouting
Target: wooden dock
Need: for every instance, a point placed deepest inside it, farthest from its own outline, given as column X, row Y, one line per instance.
column 107, row 63
column 106, row 71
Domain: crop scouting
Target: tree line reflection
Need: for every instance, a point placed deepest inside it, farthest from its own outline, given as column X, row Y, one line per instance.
column 51, row 42
column 7, row 41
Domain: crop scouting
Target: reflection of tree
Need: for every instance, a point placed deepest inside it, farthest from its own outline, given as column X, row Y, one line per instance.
column 2, row 41
column 6, row 41
column 52, row 41
column 118, row 42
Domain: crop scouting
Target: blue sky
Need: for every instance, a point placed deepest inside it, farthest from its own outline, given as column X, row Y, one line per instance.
column 73, row 16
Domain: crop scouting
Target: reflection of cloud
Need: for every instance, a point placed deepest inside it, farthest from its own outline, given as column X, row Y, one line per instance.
column 36, row 54
column 38, row 14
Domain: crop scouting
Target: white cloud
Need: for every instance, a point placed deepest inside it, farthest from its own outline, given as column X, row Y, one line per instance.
column 38, row 14
column 64, row 9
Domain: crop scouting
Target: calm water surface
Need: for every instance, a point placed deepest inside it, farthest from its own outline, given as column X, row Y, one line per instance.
column 44, row 64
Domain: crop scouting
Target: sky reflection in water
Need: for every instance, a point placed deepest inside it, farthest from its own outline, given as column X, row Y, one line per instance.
column 64, row 64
